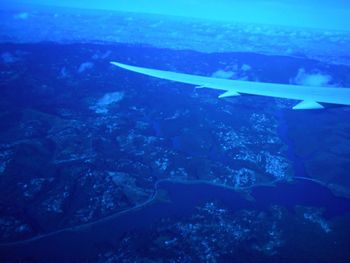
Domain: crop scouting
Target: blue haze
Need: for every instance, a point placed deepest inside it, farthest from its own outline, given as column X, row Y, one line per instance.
column 310, row 13
column 98, row 164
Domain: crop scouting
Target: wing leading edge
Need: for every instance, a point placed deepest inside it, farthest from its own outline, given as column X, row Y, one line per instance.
column 310, row 97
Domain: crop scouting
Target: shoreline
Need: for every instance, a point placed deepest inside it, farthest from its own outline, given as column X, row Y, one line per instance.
column 149, row 201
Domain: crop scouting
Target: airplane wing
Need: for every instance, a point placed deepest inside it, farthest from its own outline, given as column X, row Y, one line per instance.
column 310, row 97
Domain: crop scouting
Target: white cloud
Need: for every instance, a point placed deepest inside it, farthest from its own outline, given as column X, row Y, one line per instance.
column 106, row 101
column 22, row 16
column 246, row 67
column 8, row 58
column 315, row 79
column 222, row 74
column 85, row 66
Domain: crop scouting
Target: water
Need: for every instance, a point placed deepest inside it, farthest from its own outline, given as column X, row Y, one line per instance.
column 179, row 201
column 100, row 164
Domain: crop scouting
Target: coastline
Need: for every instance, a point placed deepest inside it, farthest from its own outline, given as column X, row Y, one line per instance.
column 153, row 198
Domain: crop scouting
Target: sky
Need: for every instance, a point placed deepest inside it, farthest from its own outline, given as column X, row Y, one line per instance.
column 327, row 14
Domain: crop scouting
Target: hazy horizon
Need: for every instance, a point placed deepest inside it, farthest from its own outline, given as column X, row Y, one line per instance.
column 327, row 15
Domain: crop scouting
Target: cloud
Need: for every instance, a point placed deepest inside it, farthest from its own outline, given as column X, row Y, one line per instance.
column 21, row 16
column 103, row 104
column 315, row 79
column 222, row 74
column 246, row 67
column 85, row 66
column 8, row 58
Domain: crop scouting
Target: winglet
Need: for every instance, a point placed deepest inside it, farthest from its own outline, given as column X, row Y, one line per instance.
column 308, row 105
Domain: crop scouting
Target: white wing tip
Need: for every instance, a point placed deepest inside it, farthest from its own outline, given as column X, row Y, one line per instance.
column 124, row 66
column 116, row 63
